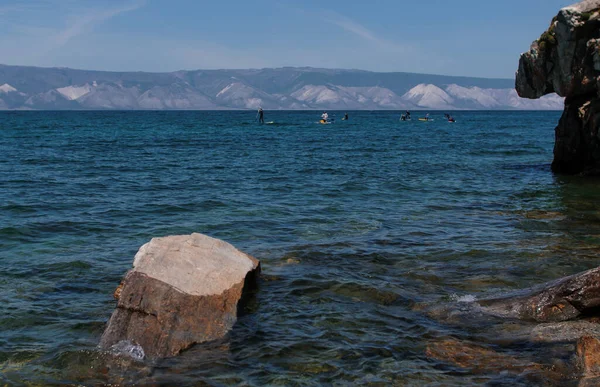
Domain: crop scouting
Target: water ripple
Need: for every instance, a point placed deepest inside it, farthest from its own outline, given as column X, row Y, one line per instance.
column 361, row 227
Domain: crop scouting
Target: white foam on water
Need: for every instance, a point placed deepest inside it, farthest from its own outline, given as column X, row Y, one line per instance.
column 127, row 348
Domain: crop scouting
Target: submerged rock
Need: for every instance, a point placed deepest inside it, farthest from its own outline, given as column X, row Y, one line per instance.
column 566, row 60
column 182, row 290
column 476, row 358
column 560, row 300
column 490, row 360
column 588, row 351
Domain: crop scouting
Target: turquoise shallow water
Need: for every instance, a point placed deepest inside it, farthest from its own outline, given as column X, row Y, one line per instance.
column 359, row 225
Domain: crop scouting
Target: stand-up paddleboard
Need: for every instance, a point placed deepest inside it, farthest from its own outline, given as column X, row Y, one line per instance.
column 426, row 119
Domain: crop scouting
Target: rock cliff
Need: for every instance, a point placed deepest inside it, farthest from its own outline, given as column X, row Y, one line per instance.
column 566, row 60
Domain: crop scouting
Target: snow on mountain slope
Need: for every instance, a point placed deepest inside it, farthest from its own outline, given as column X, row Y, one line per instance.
column 6, row 88
column 340, row 97
column 226, row 89
column 51, row 99
column 241, row 95
column 378, row 97
column 459, row 97
column 110, row 96
column 174, row 96
column 75, row 92
column 318, row 94
column 475, row 96
column 429, row 96
column 510, row 98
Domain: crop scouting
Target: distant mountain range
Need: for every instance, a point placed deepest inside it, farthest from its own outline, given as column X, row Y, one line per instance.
column 35, row 88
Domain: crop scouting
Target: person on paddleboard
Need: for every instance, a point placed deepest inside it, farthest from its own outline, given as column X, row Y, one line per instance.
column 449, row 118
column 325, row 117
column 346, row 117
column 261, row 116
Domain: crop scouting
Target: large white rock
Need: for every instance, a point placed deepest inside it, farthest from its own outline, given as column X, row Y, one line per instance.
column 194, row 264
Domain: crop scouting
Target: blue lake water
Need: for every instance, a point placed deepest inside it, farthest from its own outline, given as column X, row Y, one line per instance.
column 359, row 225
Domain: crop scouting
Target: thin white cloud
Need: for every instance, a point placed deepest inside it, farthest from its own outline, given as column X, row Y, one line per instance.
column 348, row 25
column 86, row 22
column 36, row 31
column 361, row 31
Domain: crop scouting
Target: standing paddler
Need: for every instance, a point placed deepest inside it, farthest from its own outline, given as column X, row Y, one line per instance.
column 261, row 116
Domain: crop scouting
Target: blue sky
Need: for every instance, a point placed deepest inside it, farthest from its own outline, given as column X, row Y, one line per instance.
column 459, row 37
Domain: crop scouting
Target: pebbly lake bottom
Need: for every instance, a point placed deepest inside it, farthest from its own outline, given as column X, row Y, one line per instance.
column 375, row 237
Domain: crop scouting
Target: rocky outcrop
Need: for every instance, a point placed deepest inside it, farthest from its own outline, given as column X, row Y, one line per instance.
column 561, row 300
column 566, row 60
column 182, row 290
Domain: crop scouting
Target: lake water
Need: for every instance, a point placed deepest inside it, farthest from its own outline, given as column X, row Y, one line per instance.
column 360, row 226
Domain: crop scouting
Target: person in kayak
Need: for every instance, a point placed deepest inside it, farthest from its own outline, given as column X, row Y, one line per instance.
column 261, row 116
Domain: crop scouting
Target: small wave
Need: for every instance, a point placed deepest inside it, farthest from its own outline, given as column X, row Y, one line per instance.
column 127, row 348
column 19, row 208
column 528, row 167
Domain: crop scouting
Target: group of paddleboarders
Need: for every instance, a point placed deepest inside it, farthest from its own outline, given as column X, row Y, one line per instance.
column 325, row 117
column 260, row 116
column 406, row 117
